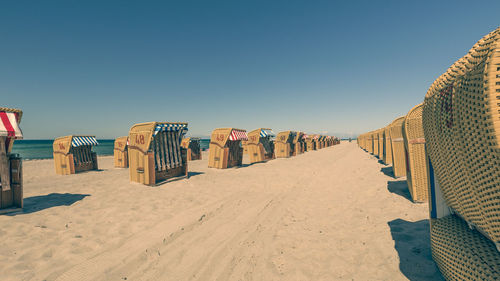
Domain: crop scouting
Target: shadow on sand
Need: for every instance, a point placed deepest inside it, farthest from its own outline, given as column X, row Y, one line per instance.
column 42, row 202
column 192, row 174
column 380, row 161
column 412, row 242
column 400, row 188
column 387, row 171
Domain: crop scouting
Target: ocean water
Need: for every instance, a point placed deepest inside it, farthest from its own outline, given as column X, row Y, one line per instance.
column 42, row 149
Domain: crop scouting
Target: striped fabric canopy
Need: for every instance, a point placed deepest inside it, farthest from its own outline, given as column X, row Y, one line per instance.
column 79, row 141
column 238, row 135
column 267, row 133
column 9, row 126
column 171, row 128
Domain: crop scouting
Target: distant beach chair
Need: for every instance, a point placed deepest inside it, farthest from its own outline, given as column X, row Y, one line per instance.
column 299, row 143
column 261, row 145
column 381, row 146
column 11, row 168
column 73, row 154
column 375, row 143
column 155, row 152
column 121, row 152
column 387, row 146
column 416, row 158
column 193, row 147
column 398, row 147
column 369, row 142
column 224, row 149
column 310, row 142
column 284, row 145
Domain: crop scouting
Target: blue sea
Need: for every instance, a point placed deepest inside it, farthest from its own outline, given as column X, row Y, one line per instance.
column 42, row 149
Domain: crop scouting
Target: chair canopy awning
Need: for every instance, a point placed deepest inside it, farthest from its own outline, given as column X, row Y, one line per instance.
column 168, row 127
column 267, row 133
column 83, row 140
column 238, row 135
column 9, row 126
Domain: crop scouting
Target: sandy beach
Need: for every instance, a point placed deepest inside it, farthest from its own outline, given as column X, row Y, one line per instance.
column 331, row 214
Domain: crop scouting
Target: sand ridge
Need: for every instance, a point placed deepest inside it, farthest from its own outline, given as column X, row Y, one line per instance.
column 331, row 214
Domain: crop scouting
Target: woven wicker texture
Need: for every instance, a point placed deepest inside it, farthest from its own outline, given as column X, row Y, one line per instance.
column 461, row 120
column 461, row 253
column 398, row 147
column 388, row 146
column 416, row 164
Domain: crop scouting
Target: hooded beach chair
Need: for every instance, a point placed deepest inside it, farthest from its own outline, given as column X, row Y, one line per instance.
column 284, row 145
column 11, row 173
column 225, row 149
column 387, row 146
column 381, row 147
column 299, row 144
column 375, row 143
column 416, row 158
column 310, row 143
column 260, row 145
column 369, row 142
column 398, row 147
column 156, row 154
column 73, row 154
column 461, row 121
column 192, row 145
column 121, row 152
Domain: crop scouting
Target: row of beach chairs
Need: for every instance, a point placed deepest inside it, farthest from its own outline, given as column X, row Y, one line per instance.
column 154, row 152
column 449, row 149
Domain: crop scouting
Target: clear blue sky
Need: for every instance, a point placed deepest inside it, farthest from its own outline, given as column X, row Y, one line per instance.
column 98, row 67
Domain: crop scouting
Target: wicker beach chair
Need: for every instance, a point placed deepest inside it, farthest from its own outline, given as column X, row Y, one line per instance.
column 416, row 158
column 261, row 145
column 381, row 146
column 193, row 147
column 461, row 119
column 225, row 150
column 11, row 172
column 398, row 147
column 299, row 143
column 311, row 142
column 156, row 154
column 120, row 152
column 375, row 143
column 73, row 154
column 387, row 146
column 284, row 145
column 369, row 142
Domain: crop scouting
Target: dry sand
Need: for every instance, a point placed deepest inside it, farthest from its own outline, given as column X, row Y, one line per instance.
column 332, row 214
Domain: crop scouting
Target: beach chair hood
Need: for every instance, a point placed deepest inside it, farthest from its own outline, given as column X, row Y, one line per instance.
column 9, row 123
